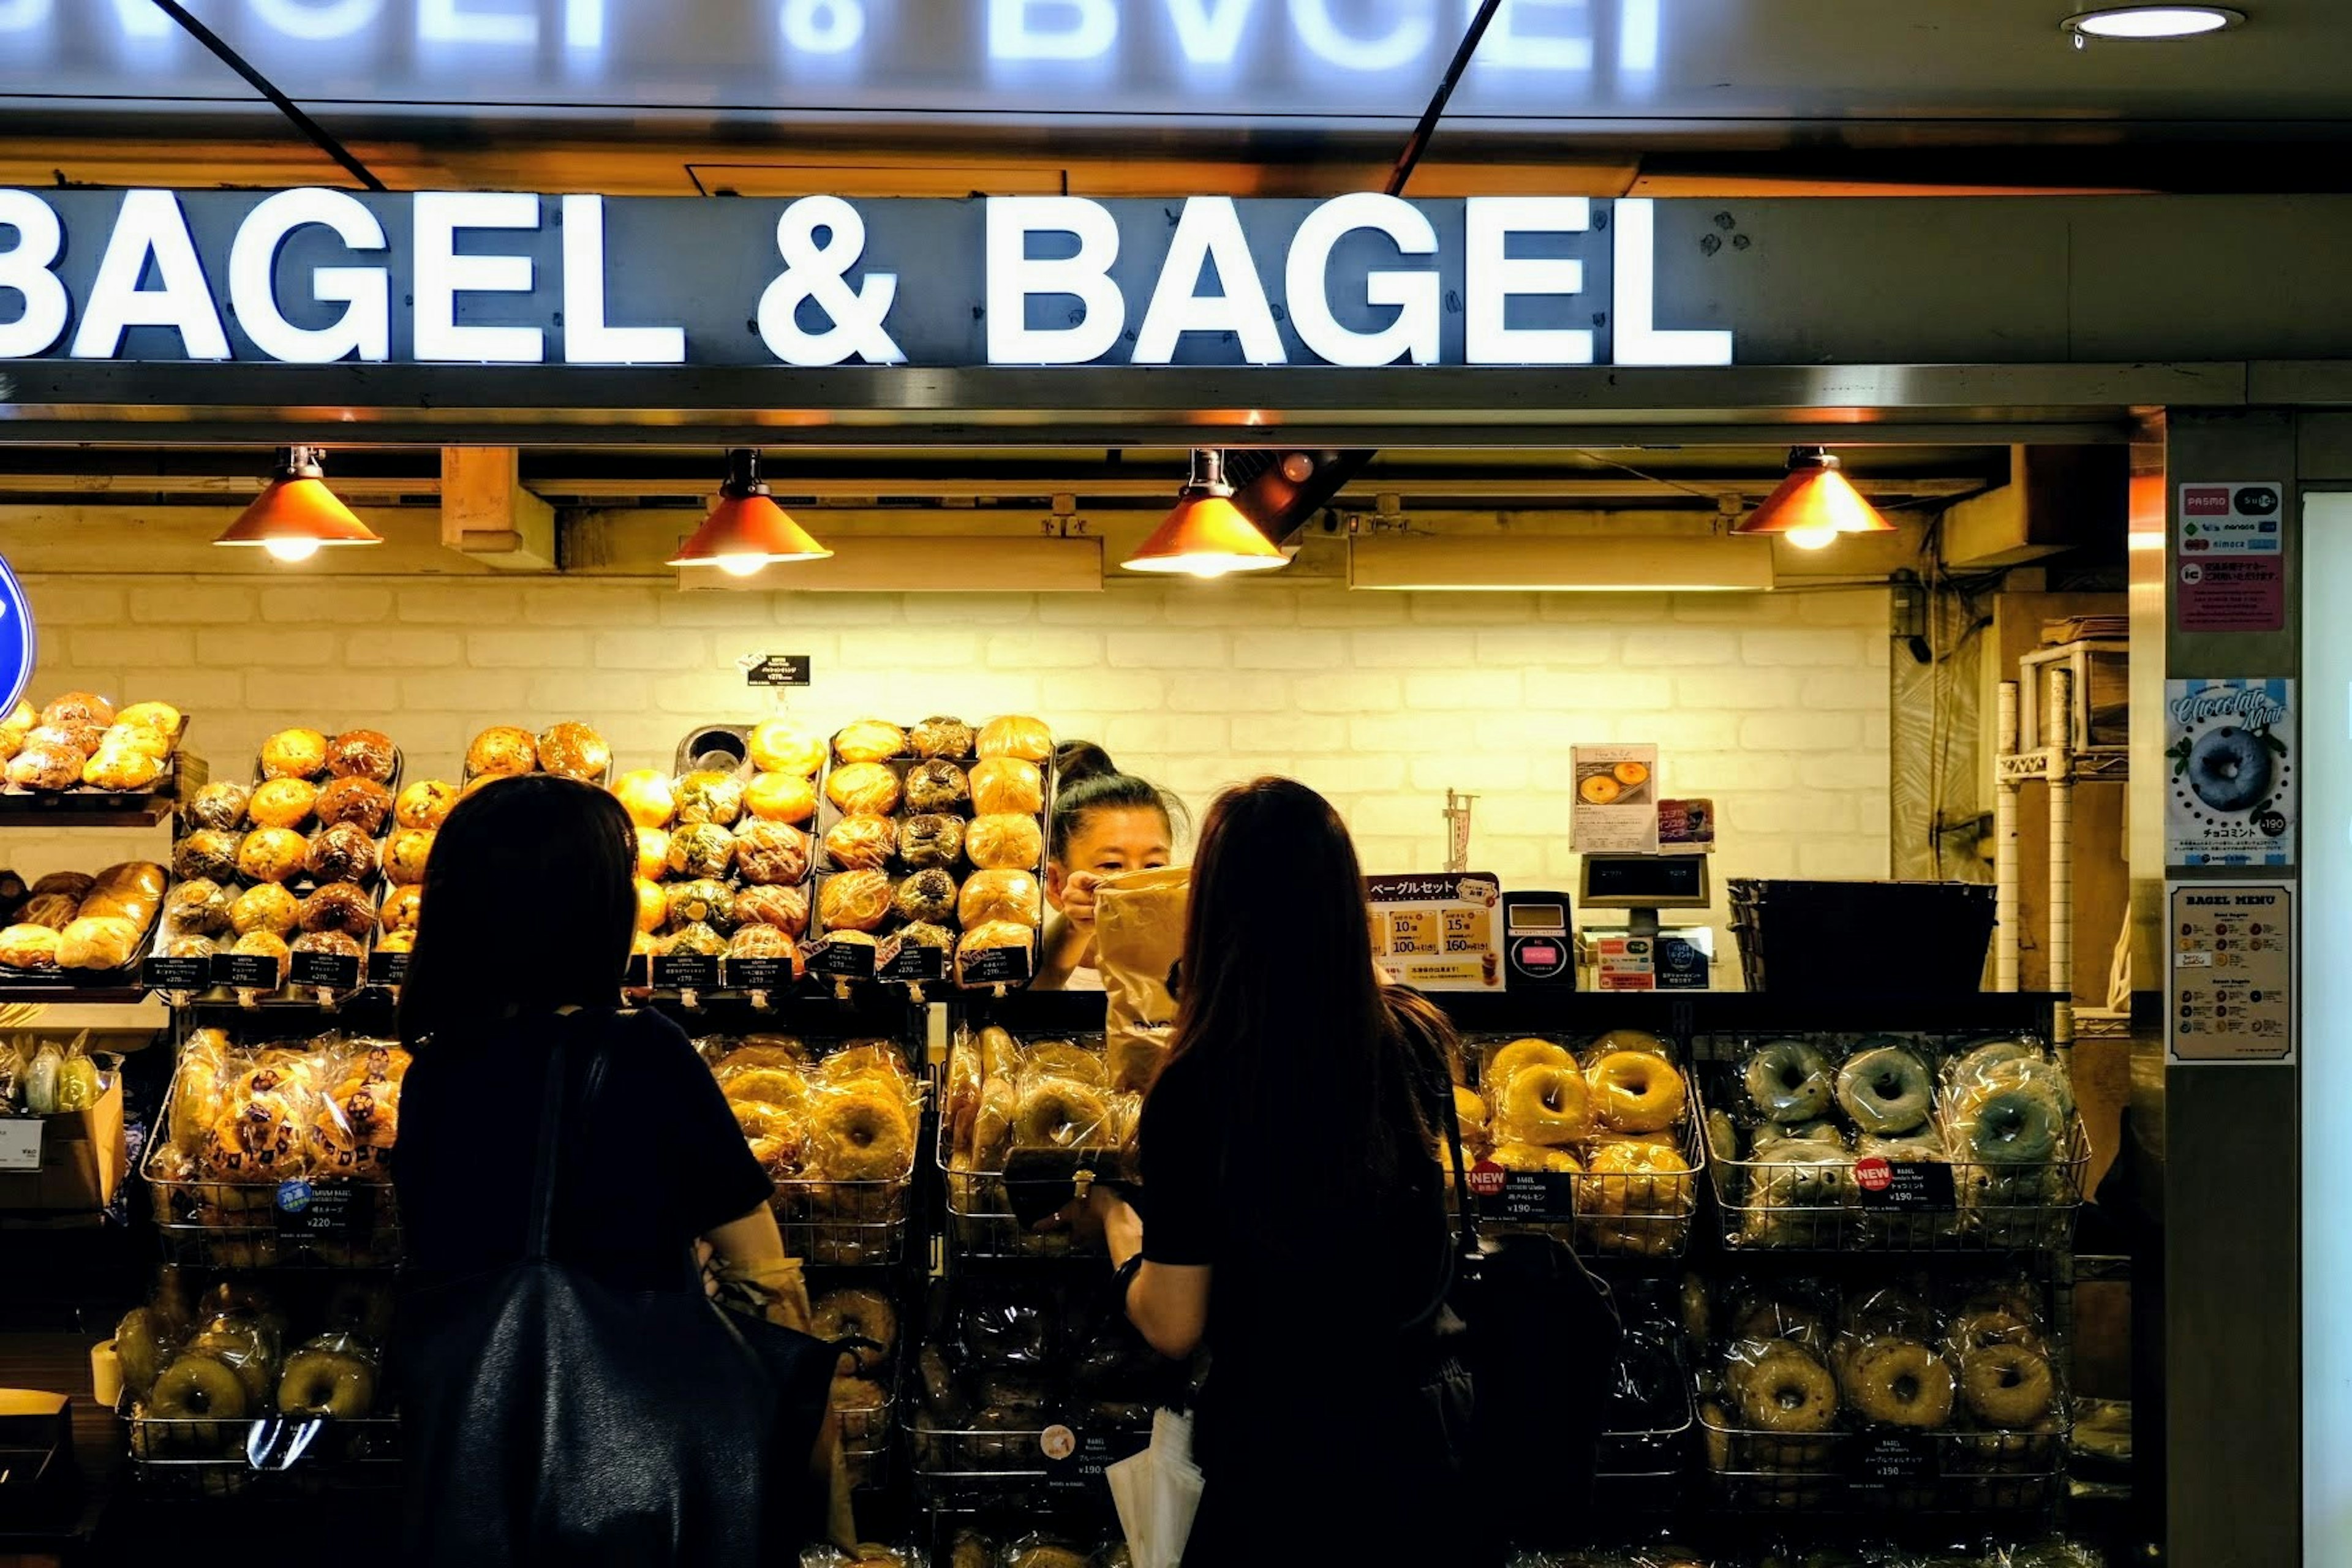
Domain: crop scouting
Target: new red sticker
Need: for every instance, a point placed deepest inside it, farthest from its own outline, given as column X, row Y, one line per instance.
column 1874, row 1175
column 1486, row 1179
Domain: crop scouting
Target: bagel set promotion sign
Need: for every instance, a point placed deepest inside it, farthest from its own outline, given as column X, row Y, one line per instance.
column 2231, row 792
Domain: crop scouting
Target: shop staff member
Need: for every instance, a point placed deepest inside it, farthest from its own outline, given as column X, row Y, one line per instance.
column 1105, row 822
column 1297, row 1220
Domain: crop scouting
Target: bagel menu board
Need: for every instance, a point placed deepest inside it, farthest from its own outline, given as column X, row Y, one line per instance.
column 1438, row 933
column 1615, row 810
column 2232, row 952
column 2230, row 788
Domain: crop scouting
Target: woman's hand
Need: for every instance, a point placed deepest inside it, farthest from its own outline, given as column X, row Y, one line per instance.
column 1103, row 1215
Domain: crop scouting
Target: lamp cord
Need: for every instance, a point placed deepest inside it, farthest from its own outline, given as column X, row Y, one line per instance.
column 1418, row 143
column 319, row 134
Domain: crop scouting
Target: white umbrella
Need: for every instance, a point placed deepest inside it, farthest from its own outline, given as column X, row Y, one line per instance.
column 1157, row 1491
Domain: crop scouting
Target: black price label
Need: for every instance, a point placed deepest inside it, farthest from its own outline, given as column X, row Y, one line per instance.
column 758, row 973
column 388, row 968
column 176, row 974
column 914, row 965
column 331, row 971
column 305, row 1210
column 685, row 972
column 996, row 967
column 248, row 970
column 1904, row 1184
column 1075, row 1458
column 1535, row 1195
column 777, row 669
column 1886, row 1457
column 842, row 960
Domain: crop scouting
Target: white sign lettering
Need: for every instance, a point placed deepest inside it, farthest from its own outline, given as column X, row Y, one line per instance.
column 443, row 274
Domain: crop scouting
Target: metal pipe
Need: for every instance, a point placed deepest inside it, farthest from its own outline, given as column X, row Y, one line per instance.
column 2058, row 729
column 2004, row 844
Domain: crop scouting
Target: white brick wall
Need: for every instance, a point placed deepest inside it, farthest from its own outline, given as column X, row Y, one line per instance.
column 1777, row 707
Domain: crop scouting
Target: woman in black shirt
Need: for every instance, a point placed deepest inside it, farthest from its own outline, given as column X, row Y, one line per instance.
column 1296, row 1223
column 524, row 934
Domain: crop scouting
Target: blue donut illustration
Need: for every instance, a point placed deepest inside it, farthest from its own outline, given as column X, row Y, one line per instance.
column 2230, row 768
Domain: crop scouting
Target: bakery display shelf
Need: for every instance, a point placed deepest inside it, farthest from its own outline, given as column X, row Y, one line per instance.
column 1913, row 1473
column 372, row 1009
column 198, row 1458
column 844, row 1224
column 90, row 988
column 1013, row 1466
column 1767, row 1207
column 1693, row 1017
column 87, row 805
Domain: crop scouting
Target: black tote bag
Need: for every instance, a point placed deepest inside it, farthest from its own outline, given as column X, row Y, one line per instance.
column 550, row 1420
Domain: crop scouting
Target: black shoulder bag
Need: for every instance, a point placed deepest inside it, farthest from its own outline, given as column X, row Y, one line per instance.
column 547, row 1419
column 1540, row 1337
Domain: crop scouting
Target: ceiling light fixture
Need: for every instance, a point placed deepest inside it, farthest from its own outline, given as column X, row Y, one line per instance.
column 746, row 529
column 1813, row 505
column 2146, row 22
column 296, row 513
column 1206, row 535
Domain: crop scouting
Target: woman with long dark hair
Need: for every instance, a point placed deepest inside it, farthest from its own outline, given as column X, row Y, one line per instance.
column 523, row 938
column 1295, row 1220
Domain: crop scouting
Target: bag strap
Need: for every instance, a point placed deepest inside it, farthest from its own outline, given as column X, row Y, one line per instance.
column 548, row 1163
column 1465, row 1201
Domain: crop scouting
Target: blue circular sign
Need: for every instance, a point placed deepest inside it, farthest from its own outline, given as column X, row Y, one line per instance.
column 294, row 1197
column 16, row 640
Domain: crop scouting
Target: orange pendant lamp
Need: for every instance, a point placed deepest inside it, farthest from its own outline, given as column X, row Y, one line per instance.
column 296, row 514
column 1814, row 504
column 1207, row 535
column 746, row 529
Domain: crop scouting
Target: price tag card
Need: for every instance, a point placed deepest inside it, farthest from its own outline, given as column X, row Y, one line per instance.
column 914, row 965
column 176, row 974
column 1075, row 1458
column 1549, row 1195
column 685, row 972
column 842, row 960
column 758, row 973
column 332, row 971
column 995, row 966
column 1884, row 1457
column 1913, row 1185
column 388, row 968
column 777, row 669
column 20, row 1143
column 303, row 1209
column 248, row 970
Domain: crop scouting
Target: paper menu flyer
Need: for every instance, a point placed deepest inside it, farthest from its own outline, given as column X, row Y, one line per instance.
column 1439, row 932
column 1616, row 809
column 2230, row 783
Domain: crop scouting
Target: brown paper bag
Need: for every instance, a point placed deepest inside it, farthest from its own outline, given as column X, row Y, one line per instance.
column 1138, row 937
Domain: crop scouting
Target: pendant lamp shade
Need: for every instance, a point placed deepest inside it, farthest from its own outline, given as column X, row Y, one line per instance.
column 1814, row 504
column 296, row 514
column 746, row 529
column 1206, row 535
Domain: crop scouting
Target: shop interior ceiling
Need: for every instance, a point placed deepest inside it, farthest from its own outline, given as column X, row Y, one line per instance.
column 1148, row 97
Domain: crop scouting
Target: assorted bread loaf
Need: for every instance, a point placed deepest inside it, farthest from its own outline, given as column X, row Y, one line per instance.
column 83, row 740
column 70, row 921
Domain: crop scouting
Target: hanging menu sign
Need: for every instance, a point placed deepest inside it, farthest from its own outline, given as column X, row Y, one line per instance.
column 1615, row 809
column 2231, row 950
column 2230, row 788
column 777, row 669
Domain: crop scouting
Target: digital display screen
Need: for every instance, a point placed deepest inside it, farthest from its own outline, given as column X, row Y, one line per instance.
column 1636, row 878
column 1534, row 917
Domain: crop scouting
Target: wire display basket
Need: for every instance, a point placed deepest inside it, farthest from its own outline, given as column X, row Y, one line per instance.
column 1018, row 1459
column 1643, row 1471
column 243, row 1225
column 868, row 1443
column 1646, row 1215
column 1768, row 1207
column 844, row 1224
column 183, row 1458
column 1947, row 1472
column 982, row 1226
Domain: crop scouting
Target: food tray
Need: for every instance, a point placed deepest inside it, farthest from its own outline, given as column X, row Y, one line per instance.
column 1749, row 1194
column 1949, row 1472
column 845, row 1223
column 208, row 1459
column 87, row 805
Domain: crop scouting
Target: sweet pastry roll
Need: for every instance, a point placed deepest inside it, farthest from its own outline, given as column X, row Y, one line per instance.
column 869, row 741
column 704, row 901
column 759, row 941
column 220, row 806
column 28, row 947
column 1007, row 785
column 361, row 802
column 709, row 795
column 344, row 852
column 266, row 908
column 401, row 907
column 362, row 754
column 940, row 736
column 335, row 944
column 294, row 754
column 339, row 906
column 156, row 743
column 502, row 751
column 575, row 750
column 653, row 905
column 694, row 938
column 861, row 843
column 937, row 785
column 197, row 908
column 854, row 900
column 54, row 912
column 282, row 803
column 264, row 944
column 121, row 768
column 931, row 841
column 648, row 796
column 271, row 855
column 210, row 853
column 1004, row 843
column 781, row 796
column 404, row 859
column 769, row 852
column 862, row 789
column 1016, row 735
column 780, row 746
column 784, row 906
column 50, row 766
column 990, row 897
column 425, row 803
column 701, row 850
column 926, row 897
